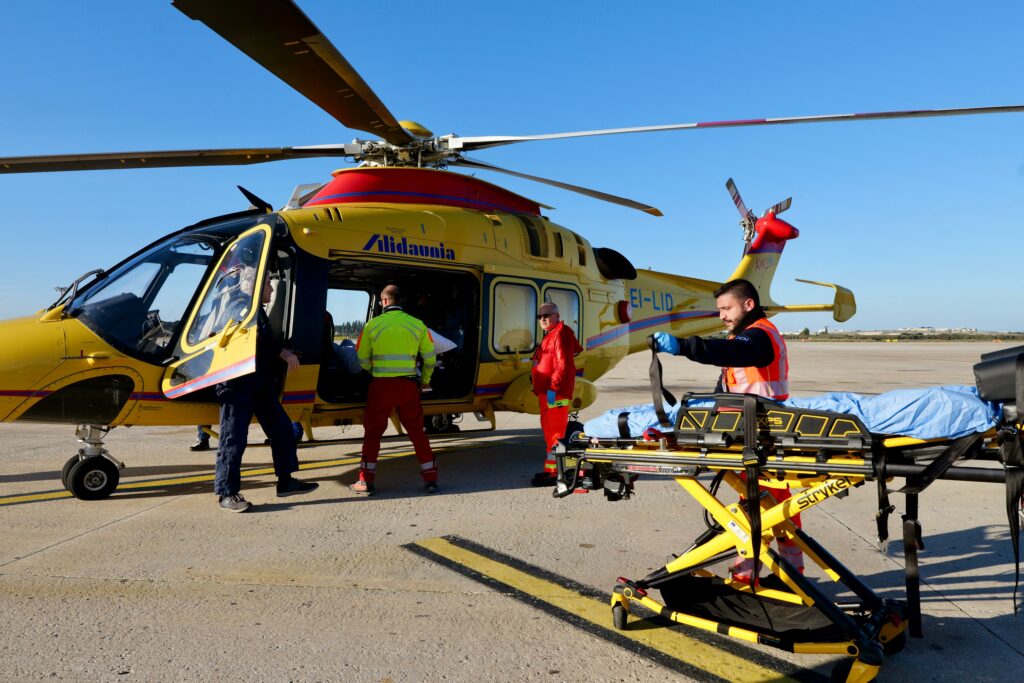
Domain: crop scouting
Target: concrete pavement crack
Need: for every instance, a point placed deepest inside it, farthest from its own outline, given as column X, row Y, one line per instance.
column 89, row 531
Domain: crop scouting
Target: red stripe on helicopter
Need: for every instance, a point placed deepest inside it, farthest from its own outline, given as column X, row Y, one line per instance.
column 242, row 367
column 621, row 330
column 491, row 389
column 419, row 186
column 25, row 393
column 768, row 248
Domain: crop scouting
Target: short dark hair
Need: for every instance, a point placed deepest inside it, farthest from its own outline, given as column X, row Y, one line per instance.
column 391, row 293
column 741, row 289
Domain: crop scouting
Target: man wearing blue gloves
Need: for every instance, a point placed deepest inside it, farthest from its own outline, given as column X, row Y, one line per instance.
column 753, row 359
column 554, row 377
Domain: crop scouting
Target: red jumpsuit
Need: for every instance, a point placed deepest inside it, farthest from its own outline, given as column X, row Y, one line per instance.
column 554, row 367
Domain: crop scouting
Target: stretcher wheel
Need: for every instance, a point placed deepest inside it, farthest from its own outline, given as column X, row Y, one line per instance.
column 67, row 470
column 619, row 617
column 895, row 645
column 93, row 478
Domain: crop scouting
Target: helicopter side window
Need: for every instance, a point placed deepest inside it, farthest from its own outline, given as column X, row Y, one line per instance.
column 515, row 325
column 536, row 235
column 344, row 318
column 140, row 306
column 580, row 250
column 230, row 295
column 568, row 302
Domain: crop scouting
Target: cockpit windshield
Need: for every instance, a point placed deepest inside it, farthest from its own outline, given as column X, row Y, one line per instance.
column 141, row 305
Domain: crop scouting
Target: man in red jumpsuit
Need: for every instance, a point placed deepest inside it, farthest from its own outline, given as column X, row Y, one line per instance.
column 554, row 378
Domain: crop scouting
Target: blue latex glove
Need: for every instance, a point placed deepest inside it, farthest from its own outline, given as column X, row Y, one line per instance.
column 666, row 343
column 554, row 402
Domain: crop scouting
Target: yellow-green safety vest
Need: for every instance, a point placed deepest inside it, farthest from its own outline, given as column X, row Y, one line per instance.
column 390, row 343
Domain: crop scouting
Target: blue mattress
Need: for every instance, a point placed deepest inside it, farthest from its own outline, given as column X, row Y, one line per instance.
column 946, row 412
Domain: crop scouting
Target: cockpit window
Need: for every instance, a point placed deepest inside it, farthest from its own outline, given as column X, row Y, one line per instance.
column 141, row 305
column 230, row 296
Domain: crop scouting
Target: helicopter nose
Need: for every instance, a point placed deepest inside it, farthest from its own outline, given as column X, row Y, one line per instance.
column 32, row 348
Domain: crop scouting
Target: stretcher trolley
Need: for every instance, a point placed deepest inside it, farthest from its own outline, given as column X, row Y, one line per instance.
column 748, row 444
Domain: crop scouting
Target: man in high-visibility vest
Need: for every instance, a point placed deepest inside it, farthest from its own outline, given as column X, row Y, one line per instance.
column 388, row 349
column 754, row 360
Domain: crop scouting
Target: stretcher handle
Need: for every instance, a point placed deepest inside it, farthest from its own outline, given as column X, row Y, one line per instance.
column 658, row 390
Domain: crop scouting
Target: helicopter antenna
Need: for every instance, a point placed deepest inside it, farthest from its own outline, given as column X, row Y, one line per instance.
column 255, row 201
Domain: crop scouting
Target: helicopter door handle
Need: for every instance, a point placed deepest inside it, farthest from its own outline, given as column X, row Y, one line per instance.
column 229, row 331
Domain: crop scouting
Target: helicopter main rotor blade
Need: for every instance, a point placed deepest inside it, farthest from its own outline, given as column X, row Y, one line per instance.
column 596, row 194
column 482, row 142
column 281, row 38
column 168, row 158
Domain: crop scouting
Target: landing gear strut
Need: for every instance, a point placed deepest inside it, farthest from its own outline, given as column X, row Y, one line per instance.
column 91, row 474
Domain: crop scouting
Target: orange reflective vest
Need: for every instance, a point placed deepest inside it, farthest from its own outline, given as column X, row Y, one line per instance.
column 773, row 379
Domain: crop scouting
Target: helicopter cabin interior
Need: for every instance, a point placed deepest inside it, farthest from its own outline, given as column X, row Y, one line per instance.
column 446, row 300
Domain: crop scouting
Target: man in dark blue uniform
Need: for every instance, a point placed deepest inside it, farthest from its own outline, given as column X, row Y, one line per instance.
column 257, row 394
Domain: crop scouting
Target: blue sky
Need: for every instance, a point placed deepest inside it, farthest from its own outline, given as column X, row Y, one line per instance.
column 920, row 218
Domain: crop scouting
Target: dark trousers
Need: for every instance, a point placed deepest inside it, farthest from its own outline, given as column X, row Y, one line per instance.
column 240, row 400
column 387, row 394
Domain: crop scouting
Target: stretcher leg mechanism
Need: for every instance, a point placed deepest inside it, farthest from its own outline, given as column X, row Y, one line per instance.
column 751, row 444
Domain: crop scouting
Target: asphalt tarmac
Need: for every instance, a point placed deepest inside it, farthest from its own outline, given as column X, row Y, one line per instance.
column 489, row 580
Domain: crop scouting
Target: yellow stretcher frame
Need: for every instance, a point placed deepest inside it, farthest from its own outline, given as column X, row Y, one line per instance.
column 881, row 628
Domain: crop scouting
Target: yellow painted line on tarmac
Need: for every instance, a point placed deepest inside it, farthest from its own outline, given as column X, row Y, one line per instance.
column 246, row 473
column 563, row 599
column 179, row 481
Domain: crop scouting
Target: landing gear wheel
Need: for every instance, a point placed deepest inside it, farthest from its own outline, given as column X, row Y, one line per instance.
column 619, row 617
column 93, row 478
column 895, row 645
column 67, row 470
column 441, row 424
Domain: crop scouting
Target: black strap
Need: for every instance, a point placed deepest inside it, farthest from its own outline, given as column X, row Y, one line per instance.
column 751, row 468
column 885, row 508
column 658, row 391
column 624, row 424
column 912, row 537
column 1012, row 454
column 911, row 544
column 1019, row 385
column 1014, row 490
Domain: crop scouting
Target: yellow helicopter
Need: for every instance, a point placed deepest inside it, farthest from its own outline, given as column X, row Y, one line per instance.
column 145, row 341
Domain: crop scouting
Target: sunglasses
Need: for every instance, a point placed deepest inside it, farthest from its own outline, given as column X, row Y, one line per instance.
column 546, row 315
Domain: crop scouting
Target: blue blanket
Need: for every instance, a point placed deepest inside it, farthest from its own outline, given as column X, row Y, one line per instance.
column 945, row 412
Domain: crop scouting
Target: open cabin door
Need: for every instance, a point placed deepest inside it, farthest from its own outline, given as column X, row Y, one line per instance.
column 220, row 338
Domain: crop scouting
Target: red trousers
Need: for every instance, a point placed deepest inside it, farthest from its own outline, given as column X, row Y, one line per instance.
column 553, row 422
column 388, row 394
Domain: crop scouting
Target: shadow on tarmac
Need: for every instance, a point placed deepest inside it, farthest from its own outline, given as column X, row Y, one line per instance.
column 461, row 468
column 945, row 559
column 470, row 468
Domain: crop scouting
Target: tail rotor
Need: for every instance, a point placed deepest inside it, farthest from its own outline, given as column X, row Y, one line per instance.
column 757, row 230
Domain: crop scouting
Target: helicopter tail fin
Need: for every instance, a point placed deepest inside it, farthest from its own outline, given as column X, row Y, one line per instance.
column 843, row 305
column 762, row 252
